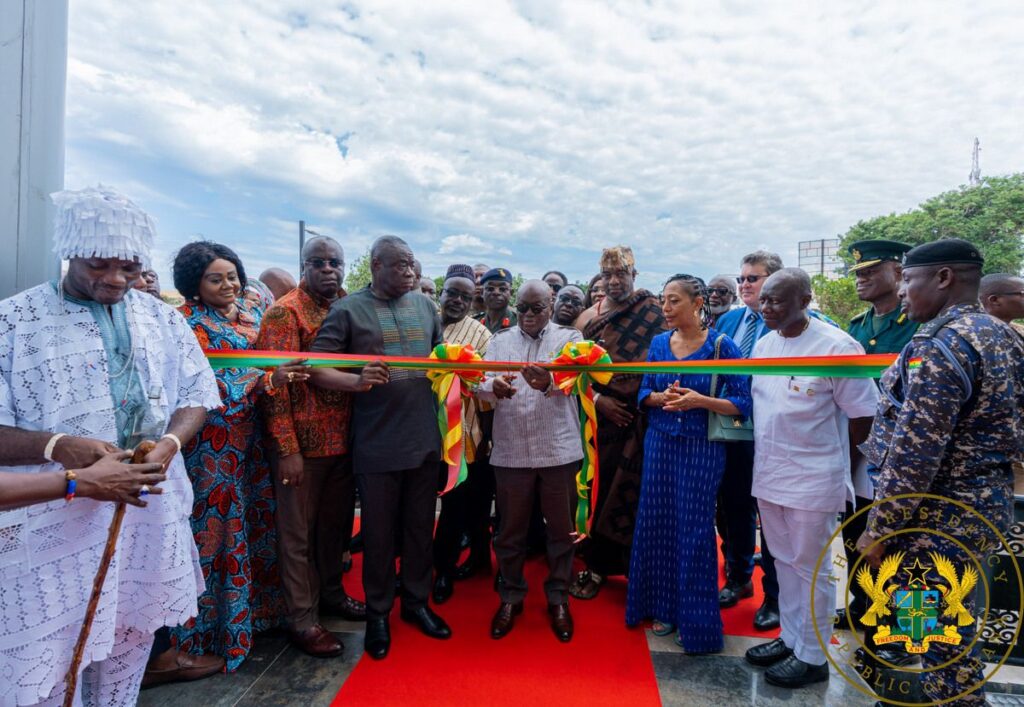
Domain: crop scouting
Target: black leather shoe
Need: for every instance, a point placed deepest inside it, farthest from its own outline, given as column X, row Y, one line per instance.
column 443, row 589
column 732, row 593
column 378, row 638
column 765, row 654
column 793, row 672
column 503, row 619
column 767, row 617
column 895, row 657
column 843, row 623
column 561, row 621
column 472, row 567
column 428, row 622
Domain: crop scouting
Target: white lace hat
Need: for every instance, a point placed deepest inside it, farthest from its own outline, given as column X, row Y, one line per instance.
column 99, row 222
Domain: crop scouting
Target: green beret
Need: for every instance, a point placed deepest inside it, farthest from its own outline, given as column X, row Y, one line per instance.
column 948, row 251
column 868, row 253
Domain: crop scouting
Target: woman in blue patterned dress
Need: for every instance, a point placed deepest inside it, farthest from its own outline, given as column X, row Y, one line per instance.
column 233, row 509
column 673, row 571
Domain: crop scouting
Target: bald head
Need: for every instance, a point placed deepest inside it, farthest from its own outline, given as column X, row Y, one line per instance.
column 784, row 299
column 535, row 297
column 1002, row 296
column 318, row 243
column 278, row 280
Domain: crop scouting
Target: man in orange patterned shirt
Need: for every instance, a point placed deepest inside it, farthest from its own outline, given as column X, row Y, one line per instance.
column 308, row 432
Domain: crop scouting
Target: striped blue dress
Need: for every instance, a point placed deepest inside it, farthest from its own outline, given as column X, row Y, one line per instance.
column 673, row 571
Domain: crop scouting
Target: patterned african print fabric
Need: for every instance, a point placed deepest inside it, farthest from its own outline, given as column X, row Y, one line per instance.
column 233, row 516
column 301, row 417
column 54, row 376
column 626, row 334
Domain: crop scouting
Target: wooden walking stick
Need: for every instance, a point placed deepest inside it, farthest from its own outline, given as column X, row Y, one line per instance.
column 71, row 678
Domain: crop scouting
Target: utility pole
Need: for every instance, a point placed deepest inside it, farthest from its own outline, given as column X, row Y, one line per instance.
column 974, row 178
column 302, row 243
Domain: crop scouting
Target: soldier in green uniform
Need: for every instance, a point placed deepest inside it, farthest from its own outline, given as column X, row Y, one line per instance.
column 883, row 328
column 497, row 291
column 948, row 424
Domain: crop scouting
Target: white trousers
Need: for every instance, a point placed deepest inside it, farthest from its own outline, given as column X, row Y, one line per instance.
column 115, row 680
column 797, row 539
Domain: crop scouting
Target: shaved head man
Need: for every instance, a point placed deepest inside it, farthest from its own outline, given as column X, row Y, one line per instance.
column 1002, row 296
column 279, row 281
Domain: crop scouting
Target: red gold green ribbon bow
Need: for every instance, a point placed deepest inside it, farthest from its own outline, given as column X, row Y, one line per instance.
column 584, row 353
column 451, row 386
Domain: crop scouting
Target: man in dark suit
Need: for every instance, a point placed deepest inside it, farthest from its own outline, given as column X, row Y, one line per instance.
column 395, row 443
column 737, row 509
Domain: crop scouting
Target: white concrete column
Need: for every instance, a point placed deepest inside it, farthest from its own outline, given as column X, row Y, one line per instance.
column 33, row 78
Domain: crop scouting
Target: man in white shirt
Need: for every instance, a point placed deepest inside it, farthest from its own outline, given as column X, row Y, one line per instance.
column 803, row 428
column 537, row 451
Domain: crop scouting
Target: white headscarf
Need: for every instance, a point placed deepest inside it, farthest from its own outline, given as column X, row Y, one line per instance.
column 101, row 223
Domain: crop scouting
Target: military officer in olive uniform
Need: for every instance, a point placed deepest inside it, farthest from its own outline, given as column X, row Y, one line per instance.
column 883, row 328
column 949, row 424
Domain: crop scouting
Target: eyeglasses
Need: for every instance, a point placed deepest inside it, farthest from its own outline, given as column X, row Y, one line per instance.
column 720, row 291
column 320, row 262
column 536, row 307
column 571, row 299
column 1017, row 293
column 458, row 295
column 750, row 279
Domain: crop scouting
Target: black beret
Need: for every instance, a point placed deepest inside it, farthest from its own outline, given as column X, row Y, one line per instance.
column 497, row 274
column 948, row 251
column 868, row 253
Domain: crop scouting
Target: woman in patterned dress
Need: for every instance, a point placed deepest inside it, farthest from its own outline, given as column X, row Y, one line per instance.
column 673, row 572
column 233, row 511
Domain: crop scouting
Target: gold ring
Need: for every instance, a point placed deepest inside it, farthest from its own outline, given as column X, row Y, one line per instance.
column 291, row 376
column 284, row 482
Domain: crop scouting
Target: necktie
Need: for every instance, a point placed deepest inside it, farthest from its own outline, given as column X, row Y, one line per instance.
column 749, row 334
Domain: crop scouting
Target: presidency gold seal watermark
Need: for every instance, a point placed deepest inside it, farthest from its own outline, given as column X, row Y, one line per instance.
column 921, row 600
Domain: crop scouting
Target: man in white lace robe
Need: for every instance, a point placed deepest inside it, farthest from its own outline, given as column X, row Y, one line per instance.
column 75, row 358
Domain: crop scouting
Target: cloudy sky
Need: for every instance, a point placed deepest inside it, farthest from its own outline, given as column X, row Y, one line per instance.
column 531, row 134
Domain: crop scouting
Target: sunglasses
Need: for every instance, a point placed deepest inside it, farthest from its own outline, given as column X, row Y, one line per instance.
column 720, row 291
column 571, row 300
column 750, row 279
column 455, row 294
column 320, row 262
column 555, row 287
column 536, row 307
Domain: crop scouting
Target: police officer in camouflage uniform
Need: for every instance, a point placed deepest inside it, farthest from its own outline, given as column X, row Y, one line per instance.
column 949, row 424
column 883, row 328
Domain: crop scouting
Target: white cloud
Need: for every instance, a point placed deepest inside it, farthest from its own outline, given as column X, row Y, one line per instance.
column 548, row 130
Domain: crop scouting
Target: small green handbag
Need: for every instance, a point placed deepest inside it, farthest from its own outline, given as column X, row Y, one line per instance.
column 727, row 428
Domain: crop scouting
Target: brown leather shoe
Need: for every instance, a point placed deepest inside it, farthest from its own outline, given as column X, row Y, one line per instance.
column 348, row 608
column 561, row 621
column 317, row 642
column 178, row 666
column 503, row 619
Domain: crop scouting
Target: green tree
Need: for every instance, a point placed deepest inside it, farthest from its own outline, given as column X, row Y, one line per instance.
column 837, row 298
column 359, row 273
column 989, row 215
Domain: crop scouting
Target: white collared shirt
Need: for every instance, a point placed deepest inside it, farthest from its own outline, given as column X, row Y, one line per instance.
column 532, row 429
column 801, row 432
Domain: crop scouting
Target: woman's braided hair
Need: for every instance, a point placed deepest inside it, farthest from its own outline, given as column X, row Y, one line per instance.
column 694, row 287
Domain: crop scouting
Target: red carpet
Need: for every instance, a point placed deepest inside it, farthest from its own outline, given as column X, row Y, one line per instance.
column 739, row 620
column 605, row 660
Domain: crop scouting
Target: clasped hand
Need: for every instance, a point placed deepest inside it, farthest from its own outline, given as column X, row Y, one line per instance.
column 679, row 399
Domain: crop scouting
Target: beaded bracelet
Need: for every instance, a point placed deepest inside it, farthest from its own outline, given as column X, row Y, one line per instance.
column 69, row 493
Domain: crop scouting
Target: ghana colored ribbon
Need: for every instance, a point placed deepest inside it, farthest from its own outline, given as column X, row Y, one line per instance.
column 451, row 386
column 584, row 353
column 863, row 366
